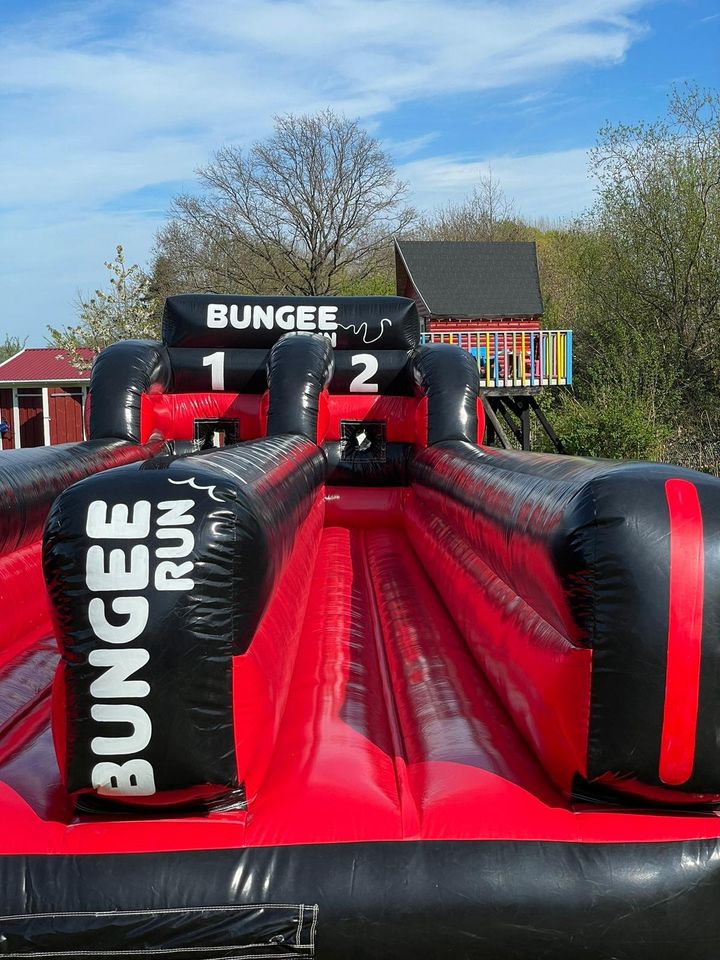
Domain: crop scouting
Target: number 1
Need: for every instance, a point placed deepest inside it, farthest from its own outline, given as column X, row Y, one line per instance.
column 216, row 362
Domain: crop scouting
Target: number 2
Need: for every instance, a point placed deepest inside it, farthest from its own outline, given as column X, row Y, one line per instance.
column 362, row 383
column 216, row 362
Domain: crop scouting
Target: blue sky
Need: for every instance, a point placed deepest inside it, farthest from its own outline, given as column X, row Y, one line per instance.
column 107, row 108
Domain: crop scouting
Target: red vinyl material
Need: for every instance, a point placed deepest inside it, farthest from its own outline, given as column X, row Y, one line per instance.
column 542, row 679
column 398, row 414
column 173, row 415
column 364, row 506
column 261, row 676
column 24, row 611
column 405, row 417
column 682, row 684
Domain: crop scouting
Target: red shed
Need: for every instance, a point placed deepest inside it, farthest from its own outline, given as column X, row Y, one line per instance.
column 42, row 397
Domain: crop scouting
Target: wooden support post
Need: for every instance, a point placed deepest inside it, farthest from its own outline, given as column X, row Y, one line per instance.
column 545, row 423
column 525, row 423
column 502, row 409
column 495, row 424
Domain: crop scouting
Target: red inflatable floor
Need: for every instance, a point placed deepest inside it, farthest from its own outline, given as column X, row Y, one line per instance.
column 390, row 732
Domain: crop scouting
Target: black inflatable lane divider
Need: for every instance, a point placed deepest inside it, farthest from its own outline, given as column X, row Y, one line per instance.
column 350, row 323
column 31, row 479
column 157, row 577
column 299, row 369
column 239, row 930
column 427, row 900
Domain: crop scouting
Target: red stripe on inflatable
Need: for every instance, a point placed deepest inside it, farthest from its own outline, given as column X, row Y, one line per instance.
column 682, row 683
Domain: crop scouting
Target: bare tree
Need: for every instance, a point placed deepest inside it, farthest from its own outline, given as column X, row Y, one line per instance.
column 486, row 214
column 301, row 212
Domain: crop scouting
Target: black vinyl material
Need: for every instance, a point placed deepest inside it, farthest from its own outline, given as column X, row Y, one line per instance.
column 385, row 465
column 143, row 557
column 31, row 479
column 121, row 374
column 435, row 900
column 350, row 323
column 387, row 372
column 243, row 371
column 300, row 367
column 449, row 378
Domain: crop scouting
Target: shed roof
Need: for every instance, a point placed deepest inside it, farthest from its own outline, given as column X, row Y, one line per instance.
column 44, row 365
column 474, row 279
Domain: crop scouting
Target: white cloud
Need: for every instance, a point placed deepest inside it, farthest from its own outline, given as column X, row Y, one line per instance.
column 552, row 184
column 100, row 100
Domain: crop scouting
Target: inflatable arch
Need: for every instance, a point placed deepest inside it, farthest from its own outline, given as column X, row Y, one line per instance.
column 292, row 666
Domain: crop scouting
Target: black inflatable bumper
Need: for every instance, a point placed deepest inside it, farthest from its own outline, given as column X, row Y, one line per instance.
column 410, row 900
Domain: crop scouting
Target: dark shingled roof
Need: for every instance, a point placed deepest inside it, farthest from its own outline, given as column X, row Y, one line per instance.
column 459, row 279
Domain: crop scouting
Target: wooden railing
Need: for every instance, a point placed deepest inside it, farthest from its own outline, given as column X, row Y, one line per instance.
column 515, row 358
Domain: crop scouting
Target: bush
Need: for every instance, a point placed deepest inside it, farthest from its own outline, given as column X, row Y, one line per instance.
column 612, row 427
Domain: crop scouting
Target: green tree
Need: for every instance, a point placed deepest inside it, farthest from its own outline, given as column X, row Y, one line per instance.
column 125, row 311
column 637, row 279
column 651, row 273
column 10, row 346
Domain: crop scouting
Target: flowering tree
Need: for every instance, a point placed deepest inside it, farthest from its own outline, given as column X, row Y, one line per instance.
column 126, row 311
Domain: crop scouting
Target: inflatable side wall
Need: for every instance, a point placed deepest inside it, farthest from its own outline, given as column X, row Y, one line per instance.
column 589, row 592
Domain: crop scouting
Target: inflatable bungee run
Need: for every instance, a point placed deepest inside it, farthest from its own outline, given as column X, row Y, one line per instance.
column 351, row 685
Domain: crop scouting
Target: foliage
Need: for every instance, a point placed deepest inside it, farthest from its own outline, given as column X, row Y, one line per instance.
column 650, row 275
column 611, row 425
column 10, row 346
column 126, row 311
column 299, row 213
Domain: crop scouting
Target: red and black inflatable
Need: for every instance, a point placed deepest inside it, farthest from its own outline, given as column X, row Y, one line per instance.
column 301, row 669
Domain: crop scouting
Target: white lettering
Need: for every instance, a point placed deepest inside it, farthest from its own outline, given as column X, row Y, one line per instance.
column 115, row 570
column 114, row 683
column 216, row 362
column 171, row 576
column 134, row 778
column 117, row 576
column 121, row 713
column 263, row 317
column 362, row 382
column 327, row 318
column 284, row 317
column 136, row 609
column 175, row 513
column 305, row 318
column 120, row 526
column 217, row 315
column 185, row 546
